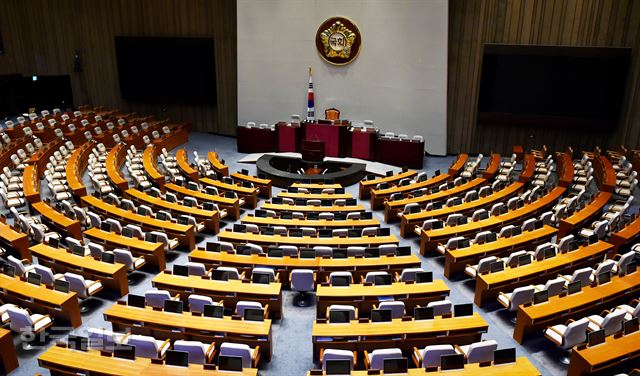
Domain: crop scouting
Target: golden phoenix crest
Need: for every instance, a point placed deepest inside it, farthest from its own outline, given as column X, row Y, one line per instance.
column 337, row 40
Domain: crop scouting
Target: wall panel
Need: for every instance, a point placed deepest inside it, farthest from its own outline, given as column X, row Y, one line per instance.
column 41, row 37
column 607, row 23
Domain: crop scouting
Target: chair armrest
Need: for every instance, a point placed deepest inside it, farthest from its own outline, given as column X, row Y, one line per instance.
column 356, row 314
column 25, row 262
column 355, row 359
column 212, row 354
column 417, row 357
column 242, row 275
column 366, row 359
column 563, row 277
column 605, row 312
column 40, row 319
column 167, row 342
column 93, row 283
column 505, row 295
column 176, row 297
column 598, row 325
column 277, row 277
column 266, row 311
column 554, row 330
column 255, row 357
column 125, row 337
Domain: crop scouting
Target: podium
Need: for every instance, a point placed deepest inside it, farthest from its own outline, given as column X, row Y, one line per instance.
column 335, row 137
column 313, row 151
column 363, row 143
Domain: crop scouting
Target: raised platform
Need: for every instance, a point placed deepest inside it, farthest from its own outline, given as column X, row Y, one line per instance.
column 284, row 171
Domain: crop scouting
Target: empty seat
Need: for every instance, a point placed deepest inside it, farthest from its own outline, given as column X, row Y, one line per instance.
column 478, row 352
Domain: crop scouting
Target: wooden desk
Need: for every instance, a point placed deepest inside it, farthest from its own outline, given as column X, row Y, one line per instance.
column 315, row 223
column 408, row 222
column 153, row 253
column 186, row 326
column 182, row 160
column 615, row 351
column 72, row 362
column 489, row 285
column 216, row 163
column 250, row 195
column 115, row 159
column 358, row 266
column 305, row 241
column 112, row 276
column 264, row 185
column 76, row 164
column 604, row 173
column 625, row 236
column 58, row 221
column 365, row 297
column 315, row 196
column 210, row 218
column 528, row 168
column 564, row 161
column 149, row 162
column 583, row 217
column 401, row 334
column 456, row 260
column 184, row 233
column 14, row 240
column 492, row 167
column 429, row 239
column 590, row 300
column 316, row 185
column 31, row 184
column 230, row 291
column 522, row 367
column 231, row 205
column 365, row 186
column 392, row 209
column 40, row 299
column 309, row 208
column 8, row 355
column 378, row 195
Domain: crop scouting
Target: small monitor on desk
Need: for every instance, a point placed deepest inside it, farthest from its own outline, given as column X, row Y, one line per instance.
column 220, row 275
column 181, row 270
column 9, row 270
column 437, row 225
column 395, row 366
column 244, row 172
column 267, row 231
column 239, row 228
column 313, row 216
column 424, row 277
column 135, row 301
column 34, row 278
column 173, row 306
column 380, row 315
column 460, row 310
column 631, row 267
column 370, row 252
column 340, row 216
column 464, row 243
column 230, row 194
column 338, row 367
column 449, row 362
column 388, row 173
column 340, row 253
column 540, row 297
column 77, row 250
column 61, row 286
column 339, row 316
column 260, row 278
column 339, row 191
column 382, row 280
column 177, row 358
column 340, row 280
column 384, row 231
column 354, row 233
column 54, row 242
column 104, row 226
column 295, row 232
column 595, row 338
column 524, row 259
column 286, row 215
column 230, row 363
column 351, row 202
column 423, row 313
column 108, row 257
column 326, row 202
column 497, row 266
column 574, row 287
column 212, row 310
column 437, row 205
column 300, row 202
column 504, row 356
column 77, row 342
column 276, row 200
column 213, row 247
column 383, row 186
column 124, row 351
column 325, row 233
column 604, row 277
column 260, row 213
column 262, row 176
column 254, row 314
column 436, row 173
column 307, row 253
column 404, row 250
column 630, row 326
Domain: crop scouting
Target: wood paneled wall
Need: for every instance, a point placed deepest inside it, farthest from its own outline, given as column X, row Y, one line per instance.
column 611, row 23
column 41, row 37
